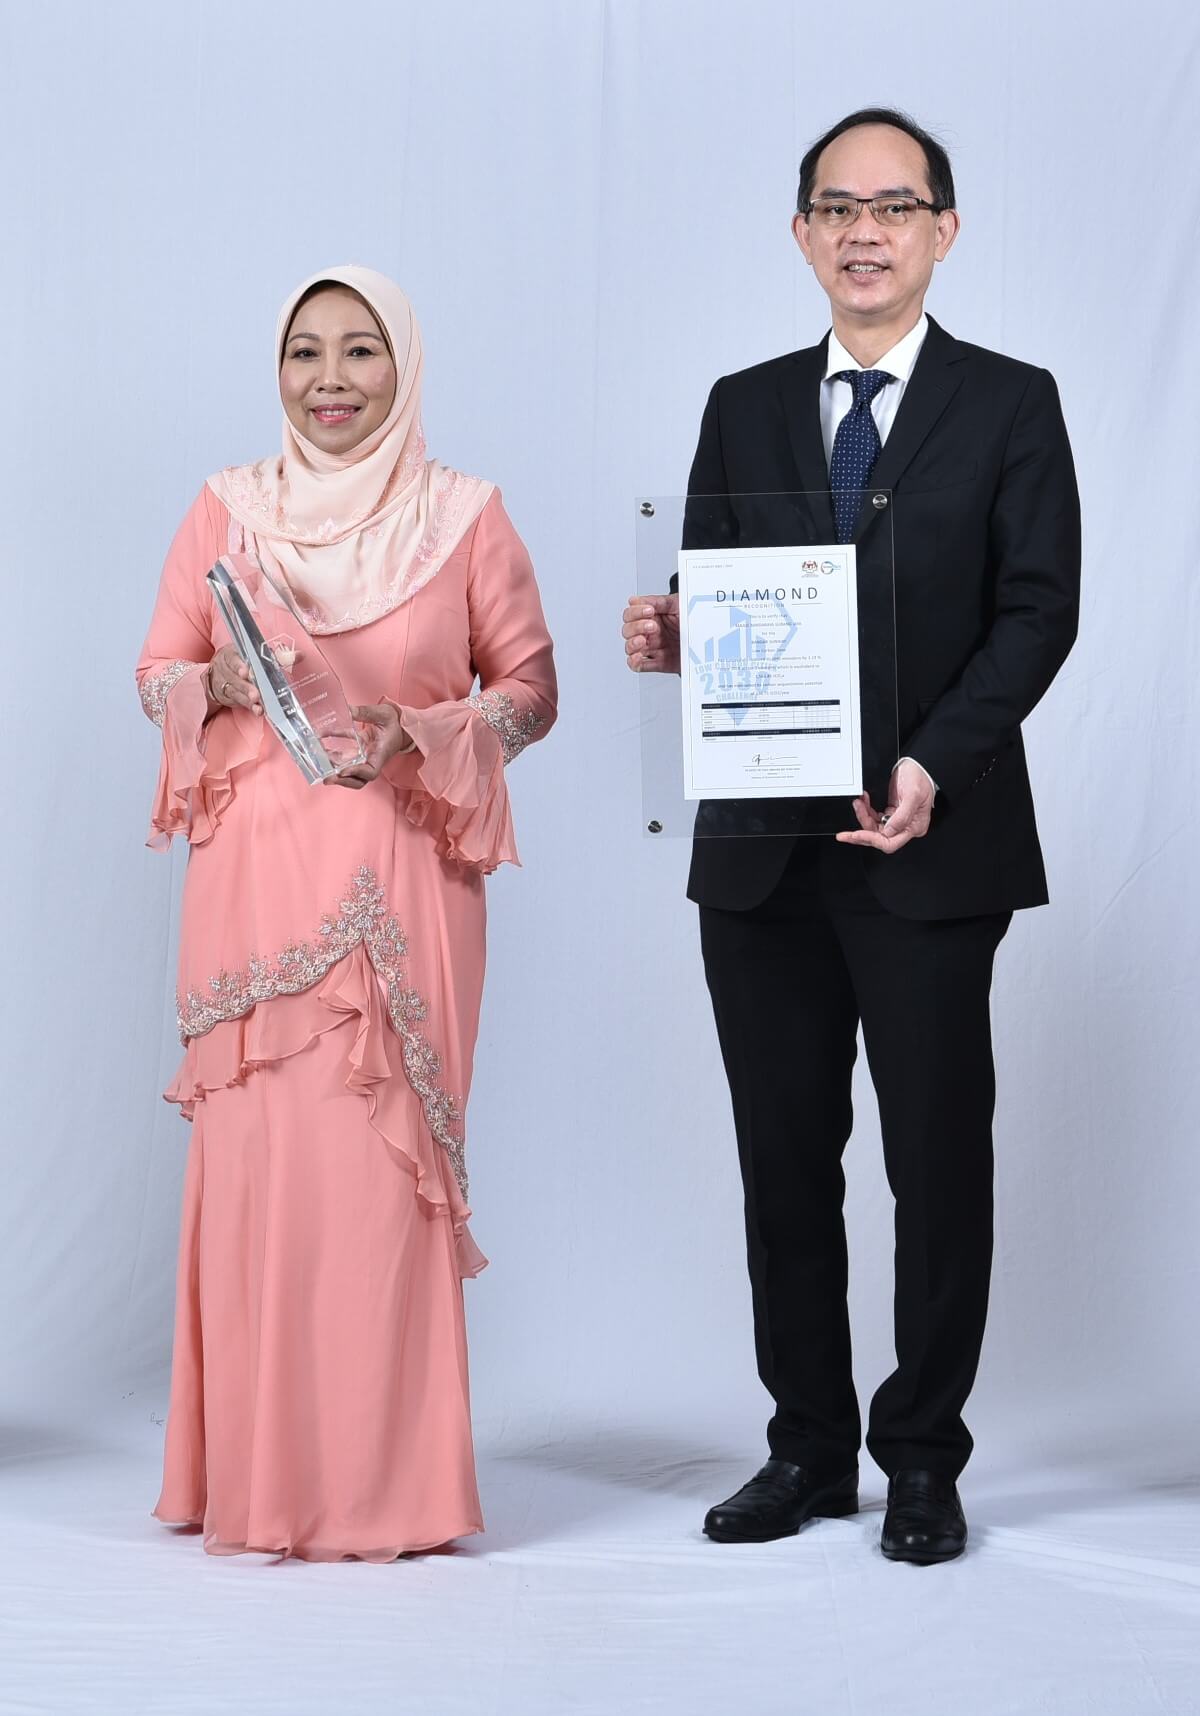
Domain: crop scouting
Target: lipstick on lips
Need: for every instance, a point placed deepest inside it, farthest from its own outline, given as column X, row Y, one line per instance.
column 331, row 415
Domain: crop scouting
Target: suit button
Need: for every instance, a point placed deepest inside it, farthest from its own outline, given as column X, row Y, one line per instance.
column 879, row 502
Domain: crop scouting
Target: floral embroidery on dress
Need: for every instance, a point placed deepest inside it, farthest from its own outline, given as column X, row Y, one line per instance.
column 362, row 919
column 515, row 728
column 445, row 515
column 158, row 686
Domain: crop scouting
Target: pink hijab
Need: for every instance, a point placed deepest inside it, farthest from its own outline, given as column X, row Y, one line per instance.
column 354, row 535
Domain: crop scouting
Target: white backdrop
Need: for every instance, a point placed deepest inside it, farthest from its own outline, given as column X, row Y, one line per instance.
column 589, row 204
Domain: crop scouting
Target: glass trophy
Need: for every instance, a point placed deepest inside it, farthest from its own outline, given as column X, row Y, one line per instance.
column 783, row 709
column 302, row 697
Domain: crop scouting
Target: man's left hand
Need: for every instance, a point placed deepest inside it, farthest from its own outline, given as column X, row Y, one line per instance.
column 909, row 808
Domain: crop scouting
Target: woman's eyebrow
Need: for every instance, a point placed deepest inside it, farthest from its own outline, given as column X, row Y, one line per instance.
column 362, row 334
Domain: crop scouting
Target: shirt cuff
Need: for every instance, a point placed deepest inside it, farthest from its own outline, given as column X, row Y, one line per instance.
column 923, row 769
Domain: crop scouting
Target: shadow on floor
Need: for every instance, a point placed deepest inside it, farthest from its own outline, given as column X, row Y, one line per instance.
column 550, row 1487
column 556, row 1486
column 1105, row 1469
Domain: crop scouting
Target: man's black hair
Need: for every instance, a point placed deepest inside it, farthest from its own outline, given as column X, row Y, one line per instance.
column 937, row 161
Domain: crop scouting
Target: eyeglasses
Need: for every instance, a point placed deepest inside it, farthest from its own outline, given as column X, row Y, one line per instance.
column 832, row 213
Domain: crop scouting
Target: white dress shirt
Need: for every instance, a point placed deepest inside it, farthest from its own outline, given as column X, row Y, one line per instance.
column 838, row 396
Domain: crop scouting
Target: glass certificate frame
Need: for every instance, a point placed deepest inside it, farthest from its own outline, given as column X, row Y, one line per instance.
column 785, row 707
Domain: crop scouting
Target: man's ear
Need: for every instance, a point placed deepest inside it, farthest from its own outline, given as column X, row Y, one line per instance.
column 948, row 223
column 803, row 236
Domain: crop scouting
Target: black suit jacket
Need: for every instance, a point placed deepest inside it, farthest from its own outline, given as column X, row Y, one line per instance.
column 985, row 531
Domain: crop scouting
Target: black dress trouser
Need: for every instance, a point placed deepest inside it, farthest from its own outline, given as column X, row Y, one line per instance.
column 790, row 981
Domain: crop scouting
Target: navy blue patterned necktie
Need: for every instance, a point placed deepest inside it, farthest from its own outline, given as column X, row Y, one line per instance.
column 856, row 446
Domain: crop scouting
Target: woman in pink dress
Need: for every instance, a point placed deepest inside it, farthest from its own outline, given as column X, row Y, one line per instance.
column 332, row 955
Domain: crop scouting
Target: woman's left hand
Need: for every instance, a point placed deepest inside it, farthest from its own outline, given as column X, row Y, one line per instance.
column 385, row 739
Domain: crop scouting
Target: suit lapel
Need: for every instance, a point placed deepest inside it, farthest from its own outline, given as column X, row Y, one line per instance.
column 936, row 378
column 800, row 396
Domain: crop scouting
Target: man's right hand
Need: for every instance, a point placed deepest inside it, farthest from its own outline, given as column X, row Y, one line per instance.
column 651, row 632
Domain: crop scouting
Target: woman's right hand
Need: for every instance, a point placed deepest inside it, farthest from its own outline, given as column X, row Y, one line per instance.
column 230, row 684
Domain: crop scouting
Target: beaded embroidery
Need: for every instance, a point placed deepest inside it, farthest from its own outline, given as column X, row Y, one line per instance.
column 515, row 730
column 362, row 919
column 157, row 687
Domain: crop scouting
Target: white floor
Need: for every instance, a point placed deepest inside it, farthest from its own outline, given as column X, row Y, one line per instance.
column 594, row 1592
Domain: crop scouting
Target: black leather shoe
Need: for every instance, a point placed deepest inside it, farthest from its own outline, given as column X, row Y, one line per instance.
column 924, row 1522
column 777, row 1501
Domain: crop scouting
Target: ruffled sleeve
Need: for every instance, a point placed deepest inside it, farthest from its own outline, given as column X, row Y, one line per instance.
column 455, row 775
column 198, row 757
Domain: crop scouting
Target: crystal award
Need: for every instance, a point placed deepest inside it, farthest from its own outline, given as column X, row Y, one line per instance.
column 302, row 697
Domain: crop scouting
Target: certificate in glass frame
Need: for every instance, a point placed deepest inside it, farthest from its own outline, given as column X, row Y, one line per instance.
column 785, row 707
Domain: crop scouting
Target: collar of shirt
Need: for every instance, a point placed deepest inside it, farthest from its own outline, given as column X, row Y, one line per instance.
column 838, row 396
column 898, row 362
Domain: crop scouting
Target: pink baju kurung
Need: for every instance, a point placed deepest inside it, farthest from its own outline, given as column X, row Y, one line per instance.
column 331, row 965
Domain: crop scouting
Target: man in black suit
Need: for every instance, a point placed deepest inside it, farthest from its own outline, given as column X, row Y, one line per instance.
column 895, row 923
